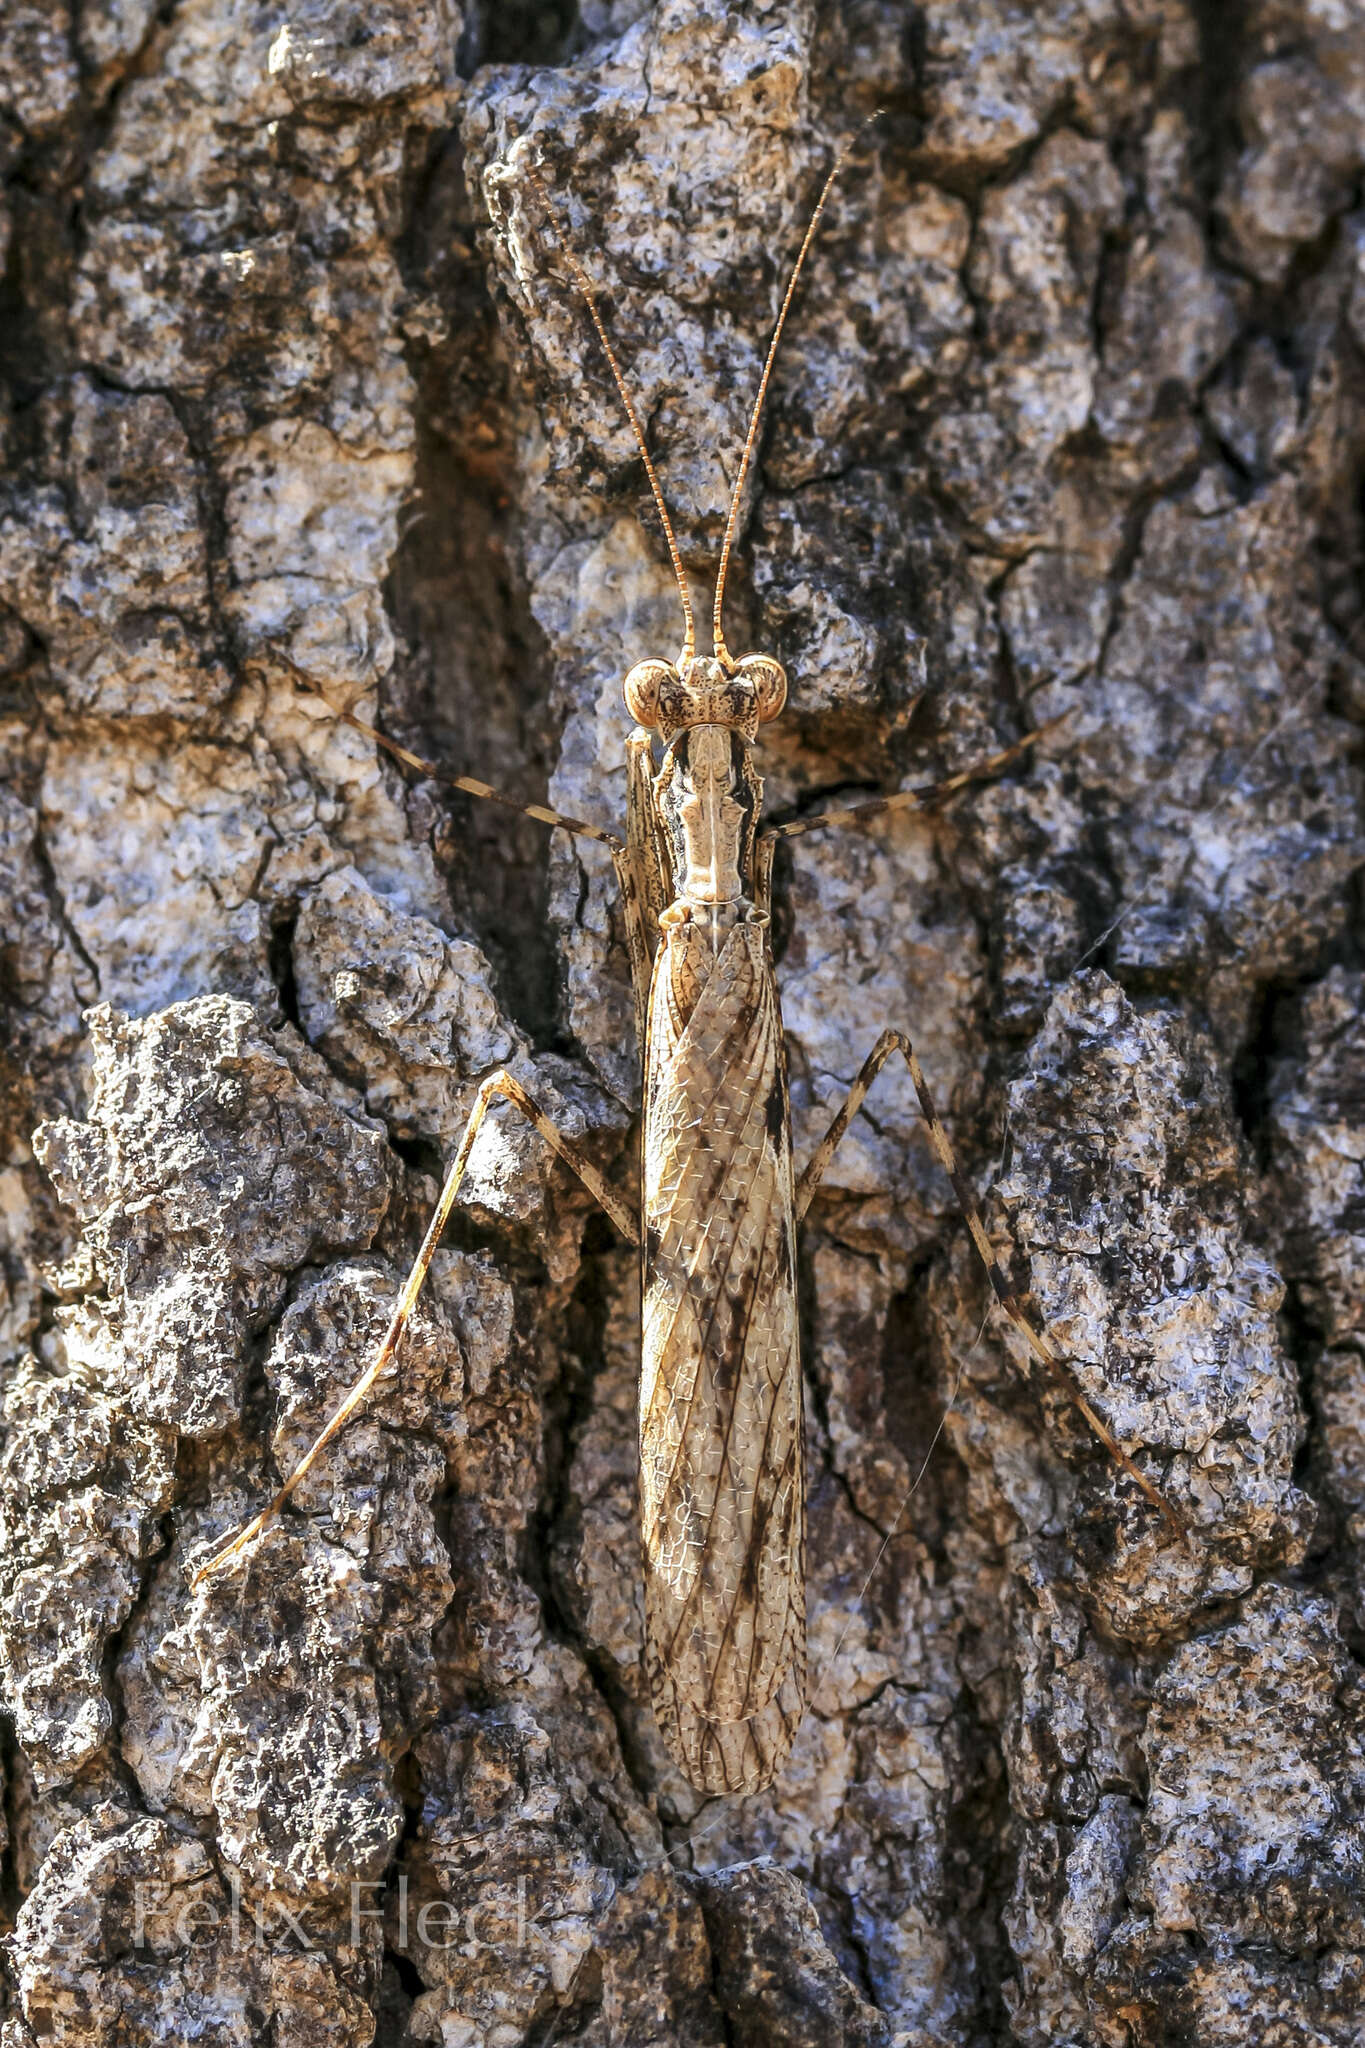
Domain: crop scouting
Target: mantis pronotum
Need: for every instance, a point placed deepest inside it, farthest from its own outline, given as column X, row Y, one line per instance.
column 722, row 1491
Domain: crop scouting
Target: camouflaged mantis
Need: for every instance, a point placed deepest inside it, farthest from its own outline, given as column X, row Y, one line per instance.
column 722, row 1476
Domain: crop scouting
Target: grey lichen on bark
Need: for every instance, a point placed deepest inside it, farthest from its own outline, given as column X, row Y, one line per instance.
column 1071, row 419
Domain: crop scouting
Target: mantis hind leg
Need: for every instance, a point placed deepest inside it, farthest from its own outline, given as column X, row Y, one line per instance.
column 510, row 1089
column 1039, row 1342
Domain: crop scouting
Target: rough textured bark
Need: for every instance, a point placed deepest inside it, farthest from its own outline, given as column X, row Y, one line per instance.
column 1072, row 419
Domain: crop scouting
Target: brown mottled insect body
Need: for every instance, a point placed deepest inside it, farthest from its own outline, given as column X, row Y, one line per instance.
column 722, row 1481
column 722, row 1475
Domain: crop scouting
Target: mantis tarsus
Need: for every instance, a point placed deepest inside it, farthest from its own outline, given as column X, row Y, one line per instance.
column 722, row 1486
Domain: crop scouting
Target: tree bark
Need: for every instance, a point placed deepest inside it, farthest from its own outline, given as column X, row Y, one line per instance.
column 304, row 413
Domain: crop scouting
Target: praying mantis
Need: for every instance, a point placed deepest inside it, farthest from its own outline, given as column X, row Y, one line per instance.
column 721, row 1431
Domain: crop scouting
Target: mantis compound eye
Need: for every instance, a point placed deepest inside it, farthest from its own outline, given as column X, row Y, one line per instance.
column 769, row 680
column 642, row 688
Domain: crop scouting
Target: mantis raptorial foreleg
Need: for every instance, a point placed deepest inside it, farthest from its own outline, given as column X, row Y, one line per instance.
column 510, row 1089
column 469, row 785
column 1039, row 1343
column 927, row 797
column 638, row 876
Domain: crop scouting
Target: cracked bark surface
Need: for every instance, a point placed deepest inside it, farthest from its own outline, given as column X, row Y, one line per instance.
column 1071, row 419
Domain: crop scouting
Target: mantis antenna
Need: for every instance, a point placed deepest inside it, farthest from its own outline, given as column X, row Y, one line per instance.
column 585, row 286
column 732, row 521
column 589, row 296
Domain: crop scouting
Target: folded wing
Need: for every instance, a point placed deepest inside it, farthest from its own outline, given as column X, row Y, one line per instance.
column 721, row 1442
